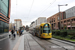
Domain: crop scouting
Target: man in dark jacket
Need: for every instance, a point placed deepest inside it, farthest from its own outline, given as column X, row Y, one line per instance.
column 12, row 32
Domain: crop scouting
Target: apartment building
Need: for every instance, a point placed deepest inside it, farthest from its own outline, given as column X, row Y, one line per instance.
column 41, row 20
column 67, row 19
column 38, row 21
column 18, row 24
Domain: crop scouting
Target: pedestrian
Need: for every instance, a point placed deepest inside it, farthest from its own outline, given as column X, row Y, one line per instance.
column 17, row 32
column 12, row 33
column 20, row 32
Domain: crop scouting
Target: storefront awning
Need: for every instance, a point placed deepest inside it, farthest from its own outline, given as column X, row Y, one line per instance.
column 69, row 26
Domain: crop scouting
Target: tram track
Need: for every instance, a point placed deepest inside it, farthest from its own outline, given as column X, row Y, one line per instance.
column 47, row 45
column 72, row 44
column 56, row 44
column 31, row 44
column 38, row 43
column 64, row 45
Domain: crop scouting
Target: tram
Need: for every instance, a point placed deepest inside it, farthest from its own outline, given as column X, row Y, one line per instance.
column 43, row 30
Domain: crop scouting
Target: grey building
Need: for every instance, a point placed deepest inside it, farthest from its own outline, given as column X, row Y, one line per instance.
column 70, row 12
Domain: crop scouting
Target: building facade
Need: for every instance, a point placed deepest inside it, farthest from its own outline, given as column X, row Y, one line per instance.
column 38, row 21
column 67, row 19
column 54, row 20
column 18, row 24
column 4, row 17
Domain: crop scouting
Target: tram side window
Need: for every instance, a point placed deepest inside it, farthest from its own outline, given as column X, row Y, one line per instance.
column 41, row 29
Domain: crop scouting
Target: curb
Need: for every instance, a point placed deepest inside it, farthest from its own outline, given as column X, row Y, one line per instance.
column 65, row 40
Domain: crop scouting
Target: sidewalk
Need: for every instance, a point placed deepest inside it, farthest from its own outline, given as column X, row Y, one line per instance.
column 8, row 43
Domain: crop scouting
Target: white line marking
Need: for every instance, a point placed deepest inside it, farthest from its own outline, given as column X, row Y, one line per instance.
column 68, row 47
column 56, row 47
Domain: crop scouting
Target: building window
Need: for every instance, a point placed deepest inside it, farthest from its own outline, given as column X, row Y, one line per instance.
column 64, row 21
column 54, row 24
column 58, row 18
column 50, row 21
column 74, row 19
column 54, row 19
column 61, row 22
column 71, row 19
column 68, row 20
column 4, row 27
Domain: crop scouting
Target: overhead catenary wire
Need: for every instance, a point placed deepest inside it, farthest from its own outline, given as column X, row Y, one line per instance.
column 47, row 7
column 30, row 8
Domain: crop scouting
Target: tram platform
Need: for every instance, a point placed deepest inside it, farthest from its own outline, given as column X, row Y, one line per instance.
column 26, row 42
column 20, row 44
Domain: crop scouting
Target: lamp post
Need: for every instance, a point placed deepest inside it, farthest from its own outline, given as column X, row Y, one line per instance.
column 59, row 13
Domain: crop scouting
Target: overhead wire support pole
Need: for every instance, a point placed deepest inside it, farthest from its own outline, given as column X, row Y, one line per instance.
column 59, row 17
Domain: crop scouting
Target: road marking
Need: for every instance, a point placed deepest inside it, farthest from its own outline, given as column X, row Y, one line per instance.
column 68, row 47
column 56, row 47
column 3, row 38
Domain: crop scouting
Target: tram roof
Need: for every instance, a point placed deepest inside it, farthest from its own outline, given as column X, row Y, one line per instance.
column 44, row 23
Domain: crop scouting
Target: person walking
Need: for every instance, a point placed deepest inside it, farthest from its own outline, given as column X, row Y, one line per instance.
column 12, row 33
column 17, row 32
column 20, row 32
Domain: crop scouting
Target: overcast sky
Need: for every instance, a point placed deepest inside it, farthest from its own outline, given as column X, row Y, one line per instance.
column 30, row 10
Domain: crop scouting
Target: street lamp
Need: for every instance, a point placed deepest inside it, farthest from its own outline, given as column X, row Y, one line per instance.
column 59, row 13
